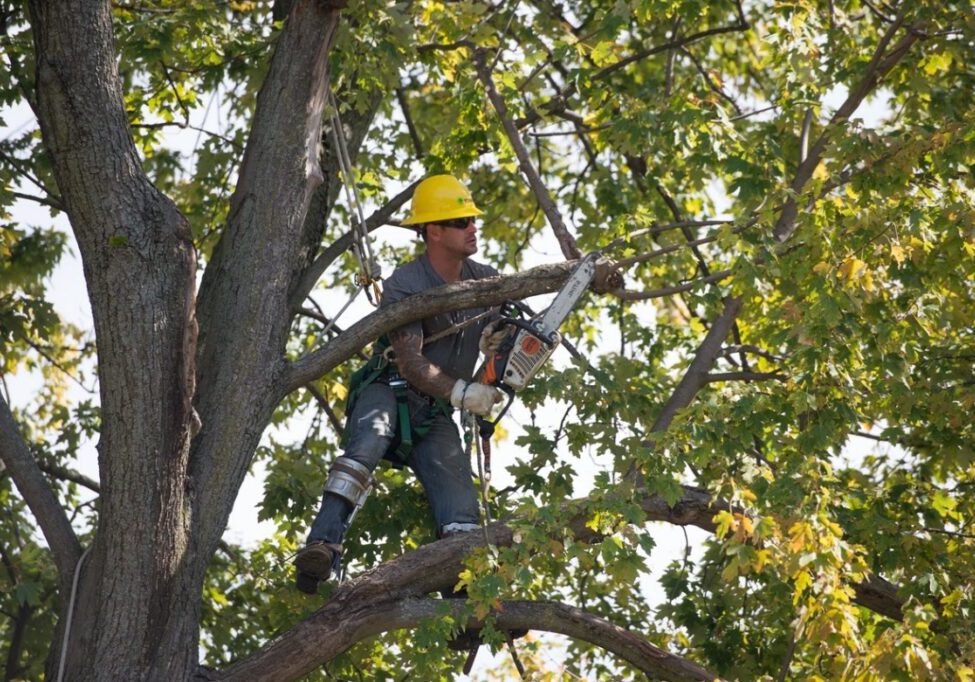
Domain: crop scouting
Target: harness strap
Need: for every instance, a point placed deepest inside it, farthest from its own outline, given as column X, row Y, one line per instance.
column 378, row 367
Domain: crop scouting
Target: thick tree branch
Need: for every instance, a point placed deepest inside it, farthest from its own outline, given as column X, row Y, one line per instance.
column 38, row 494
column 696, row 375
column 457, row 296
column 566, row 241
column 370, row 603
column 880, row 64
column 244, row 302
column 325, row 407
column 404, row 106
column 574, row 622
column 364, row 606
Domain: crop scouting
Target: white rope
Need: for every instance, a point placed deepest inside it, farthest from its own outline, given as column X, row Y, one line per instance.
column 370, row 271
column 67, row 622
column 470, row 424
column 332, row 322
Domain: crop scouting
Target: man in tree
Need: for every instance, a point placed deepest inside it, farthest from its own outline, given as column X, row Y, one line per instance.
column 400, row 407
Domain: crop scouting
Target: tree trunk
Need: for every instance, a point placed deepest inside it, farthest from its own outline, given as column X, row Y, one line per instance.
column 136, row 614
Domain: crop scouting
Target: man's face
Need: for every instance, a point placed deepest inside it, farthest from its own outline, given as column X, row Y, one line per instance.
column 458, row 240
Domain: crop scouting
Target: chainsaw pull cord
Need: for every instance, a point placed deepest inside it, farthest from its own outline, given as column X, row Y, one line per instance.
column 369, row 271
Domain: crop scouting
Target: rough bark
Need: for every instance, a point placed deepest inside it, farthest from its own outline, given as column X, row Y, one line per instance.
column 243, row 305
column 391, row 597
column 137, row 610
column 139, row 265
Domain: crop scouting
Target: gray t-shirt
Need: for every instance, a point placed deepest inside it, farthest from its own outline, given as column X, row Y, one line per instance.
column 456, row 354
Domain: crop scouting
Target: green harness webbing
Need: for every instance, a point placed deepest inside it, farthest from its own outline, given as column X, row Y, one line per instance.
column 379, row 367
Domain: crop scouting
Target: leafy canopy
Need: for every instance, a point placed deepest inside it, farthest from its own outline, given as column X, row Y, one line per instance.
column 638, row 115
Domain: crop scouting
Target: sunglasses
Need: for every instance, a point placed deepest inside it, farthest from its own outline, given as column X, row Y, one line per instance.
column 457, row 223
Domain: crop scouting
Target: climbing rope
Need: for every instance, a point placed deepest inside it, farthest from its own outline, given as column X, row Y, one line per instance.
column 369, row 271
column 70, row 616
column 468, row 421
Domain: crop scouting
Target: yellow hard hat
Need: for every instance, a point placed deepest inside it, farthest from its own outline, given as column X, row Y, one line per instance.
column 441, row 197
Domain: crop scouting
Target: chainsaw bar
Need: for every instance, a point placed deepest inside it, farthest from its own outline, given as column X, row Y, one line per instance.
column 568, row 295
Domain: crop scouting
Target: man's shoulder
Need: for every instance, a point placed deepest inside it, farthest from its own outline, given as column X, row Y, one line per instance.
column 408, row 271
column 480, row 270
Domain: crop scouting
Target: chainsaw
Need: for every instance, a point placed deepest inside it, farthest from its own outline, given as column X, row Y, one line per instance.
column 530, row 343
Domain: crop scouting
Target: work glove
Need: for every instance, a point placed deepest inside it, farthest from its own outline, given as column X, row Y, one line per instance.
column 491, row 338
column 475, row 397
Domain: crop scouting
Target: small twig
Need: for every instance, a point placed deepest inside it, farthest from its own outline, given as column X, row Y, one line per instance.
column 326, row 408
column 754, row 350
column 756, row 112
column 175, row 124
column 66, row 474
column 404, row 106
column 445, row 47
column 179, row 99
column 57, row 365
column 952, row 533
column 745, row 376
column 650, row 255
column 50, row 203
column 670, row 291
column 709, row 81
column 580, row 131
column 660, row 228
column 504, row 34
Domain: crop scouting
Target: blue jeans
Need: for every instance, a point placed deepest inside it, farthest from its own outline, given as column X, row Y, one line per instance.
column 438, row 460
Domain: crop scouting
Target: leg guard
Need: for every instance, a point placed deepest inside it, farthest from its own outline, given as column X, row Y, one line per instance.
column 449, row 530
column 351, row 481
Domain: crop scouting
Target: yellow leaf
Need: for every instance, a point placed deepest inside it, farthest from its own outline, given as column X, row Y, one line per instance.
column 821, row 267
column 725, row 522
column 820, row 173
column 803, row 580
column 898, row 253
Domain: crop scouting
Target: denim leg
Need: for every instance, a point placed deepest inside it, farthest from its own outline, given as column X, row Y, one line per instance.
column 444, row 470
column 373, row 428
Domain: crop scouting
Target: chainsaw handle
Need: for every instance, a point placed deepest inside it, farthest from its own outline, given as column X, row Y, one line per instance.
column 486, row 426
column 530, row 328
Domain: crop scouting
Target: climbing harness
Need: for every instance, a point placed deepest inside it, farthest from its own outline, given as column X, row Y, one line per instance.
column 382, row 367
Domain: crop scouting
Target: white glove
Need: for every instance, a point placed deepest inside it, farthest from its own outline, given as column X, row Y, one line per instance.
column 492, row 337
column 475, row 397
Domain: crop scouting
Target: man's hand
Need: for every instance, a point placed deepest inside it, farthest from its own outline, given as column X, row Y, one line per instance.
column 492, row 337
column 475, row 397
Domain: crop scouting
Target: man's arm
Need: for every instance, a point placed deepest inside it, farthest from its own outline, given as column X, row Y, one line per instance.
column 417, row 369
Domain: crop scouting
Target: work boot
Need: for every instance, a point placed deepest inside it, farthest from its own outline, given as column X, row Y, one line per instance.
column 314, row 563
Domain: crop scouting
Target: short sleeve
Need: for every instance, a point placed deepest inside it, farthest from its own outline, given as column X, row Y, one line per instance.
column 396, row 288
